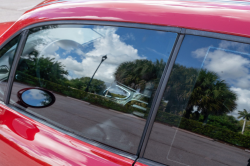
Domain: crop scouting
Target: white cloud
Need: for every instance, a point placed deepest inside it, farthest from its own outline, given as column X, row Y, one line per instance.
column 243, row 99
column 72, row 64
column 79, row 52
column 232, row 67
column 82, row 63
column 33, row 94
column 227, row 65
column 116, row 50
column 41, row 39
column 112, row 46
column 234, row 45
column 200, row 52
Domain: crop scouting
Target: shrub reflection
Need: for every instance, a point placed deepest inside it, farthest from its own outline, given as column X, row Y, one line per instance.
column 114, row 68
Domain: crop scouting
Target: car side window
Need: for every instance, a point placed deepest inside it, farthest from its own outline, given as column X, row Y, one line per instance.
column 202, row 115
column 95, row 81
column 7, row 54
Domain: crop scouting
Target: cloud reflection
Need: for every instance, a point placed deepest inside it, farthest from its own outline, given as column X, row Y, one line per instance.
column 231, row 61
column 81, row 57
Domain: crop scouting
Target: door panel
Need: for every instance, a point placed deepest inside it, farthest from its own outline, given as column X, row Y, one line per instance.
column 26, row 142
column 103, row 79
column 200, row 120
column 59, row 81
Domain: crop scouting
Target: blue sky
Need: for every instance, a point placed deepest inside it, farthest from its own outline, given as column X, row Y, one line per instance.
column 229, row 60
column 80, row 48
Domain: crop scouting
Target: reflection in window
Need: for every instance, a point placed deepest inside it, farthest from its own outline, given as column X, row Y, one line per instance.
column 102, row 78
column 7, row 54
column 33, row 97
column 208, row 85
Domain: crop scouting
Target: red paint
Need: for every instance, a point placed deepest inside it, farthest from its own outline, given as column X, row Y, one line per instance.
column 46, row 1
column 229, row 18
column 19, row 125
column 24, row 141
column 139, row 164
column 5, row 26
column 34, row 143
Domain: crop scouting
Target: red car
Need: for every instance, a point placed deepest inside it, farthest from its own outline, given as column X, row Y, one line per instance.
column 126, row 83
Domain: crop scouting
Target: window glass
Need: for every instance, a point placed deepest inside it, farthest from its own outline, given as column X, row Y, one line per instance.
column 96, row 81
column 7, row 54
column 200, row 118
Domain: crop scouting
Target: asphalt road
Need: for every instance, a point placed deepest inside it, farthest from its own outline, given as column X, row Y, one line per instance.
column 11, row 10
column 167, row 144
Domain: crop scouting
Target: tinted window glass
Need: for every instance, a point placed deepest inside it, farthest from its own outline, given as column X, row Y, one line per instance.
column 96, row 81
column 7, row 54
column 200, row 118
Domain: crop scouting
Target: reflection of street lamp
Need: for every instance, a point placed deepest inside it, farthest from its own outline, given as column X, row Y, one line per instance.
column 103, row 59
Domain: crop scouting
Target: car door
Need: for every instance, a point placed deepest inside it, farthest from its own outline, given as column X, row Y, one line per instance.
column 80, row 94
column 200, row 117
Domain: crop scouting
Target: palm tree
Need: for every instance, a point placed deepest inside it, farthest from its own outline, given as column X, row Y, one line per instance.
column 179, row 89
column 246, row 116
column 136, row 74
column 211, row 95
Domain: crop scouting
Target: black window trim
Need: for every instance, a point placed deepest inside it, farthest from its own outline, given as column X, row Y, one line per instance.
column 149, row 123
column 18, row 53
column 158, row 96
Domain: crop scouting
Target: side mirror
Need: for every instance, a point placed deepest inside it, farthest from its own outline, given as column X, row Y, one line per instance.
column 35, row 97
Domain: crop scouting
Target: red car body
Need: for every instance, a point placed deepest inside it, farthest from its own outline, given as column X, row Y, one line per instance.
column 46, row 146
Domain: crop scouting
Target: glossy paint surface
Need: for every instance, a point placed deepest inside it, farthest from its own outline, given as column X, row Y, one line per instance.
column 139, row 164
column 5, row 26
column 24, row 142
column 224, row 17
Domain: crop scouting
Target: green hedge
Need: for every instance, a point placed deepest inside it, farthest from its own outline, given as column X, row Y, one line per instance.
column 77, row 94
column 168, row 118
column 204, row 129
column 163, row 117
